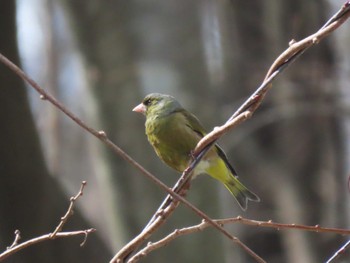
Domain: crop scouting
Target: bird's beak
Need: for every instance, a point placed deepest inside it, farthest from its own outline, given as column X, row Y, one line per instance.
column 140, row 108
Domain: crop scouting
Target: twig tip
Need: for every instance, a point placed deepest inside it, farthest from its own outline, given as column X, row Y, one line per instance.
column 17, row 238
column 293, row 41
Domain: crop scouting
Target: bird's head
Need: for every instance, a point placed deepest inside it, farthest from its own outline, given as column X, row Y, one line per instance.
column 157, row 104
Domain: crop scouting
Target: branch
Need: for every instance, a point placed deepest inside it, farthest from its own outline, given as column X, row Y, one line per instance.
column 339, row 252
column 47, row 237
column 15, row 247
column 161, row 217
column 203, row 225
column 69, row 211
column 278, row 226
column 101, row 135
column 295, row 50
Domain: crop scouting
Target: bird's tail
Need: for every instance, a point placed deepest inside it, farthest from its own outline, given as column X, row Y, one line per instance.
column 241, row 193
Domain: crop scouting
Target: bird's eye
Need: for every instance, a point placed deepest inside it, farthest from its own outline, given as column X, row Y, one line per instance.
column 147, row 102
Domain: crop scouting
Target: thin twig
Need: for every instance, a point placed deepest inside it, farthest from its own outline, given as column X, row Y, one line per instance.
column 17, row 238
column 15, row 247
column 43, row 238
column 339, row 252
column 203, row 225
column 69, row 211
column 278, row 226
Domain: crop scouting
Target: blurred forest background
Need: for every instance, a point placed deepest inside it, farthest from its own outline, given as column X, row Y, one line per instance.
column 100, row 58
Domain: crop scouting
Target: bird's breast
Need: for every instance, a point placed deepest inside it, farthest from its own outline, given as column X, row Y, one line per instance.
column 171, row 140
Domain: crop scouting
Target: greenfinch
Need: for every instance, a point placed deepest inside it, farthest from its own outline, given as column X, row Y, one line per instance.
column 174, row 133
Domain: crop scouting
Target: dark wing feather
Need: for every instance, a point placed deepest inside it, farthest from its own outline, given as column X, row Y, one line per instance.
column 193, row 123
column 223, row 156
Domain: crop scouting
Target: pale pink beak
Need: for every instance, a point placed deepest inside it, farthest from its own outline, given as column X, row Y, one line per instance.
column 140, row 108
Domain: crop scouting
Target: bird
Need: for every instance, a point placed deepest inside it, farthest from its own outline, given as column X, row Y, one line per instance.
column 174, row 132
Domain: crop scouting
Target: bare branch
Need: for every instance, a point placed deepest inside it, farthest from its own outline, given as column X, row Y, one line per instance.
column 203, row 225
column 162, row 216
column 15, row 247
column 69, row 211
column 281, row 63
column 278, row 226
column 166, row 240
column 43, row 238
column 339, row 252
column 132, row 245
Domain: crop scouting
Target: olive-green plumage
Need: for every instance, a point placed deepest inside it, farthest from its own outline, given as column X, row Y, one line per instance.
column 174, row 133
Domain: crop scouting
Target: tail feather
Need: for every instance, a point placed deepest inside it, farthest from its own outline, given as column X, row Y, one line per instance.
column 241, row 193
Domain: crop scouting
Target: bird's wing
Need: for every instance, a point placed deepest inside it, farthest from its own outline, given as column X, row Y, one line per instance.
column 223, row 156
column 193, row 123
column 197, row 127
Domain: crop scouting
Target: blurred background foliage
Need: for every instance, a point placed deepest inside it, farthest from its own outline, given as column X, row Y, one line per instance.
column 100, row 58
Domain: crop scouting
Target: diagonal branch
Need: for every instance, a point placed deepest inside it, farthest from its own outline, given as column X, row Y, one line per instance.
column 339, row 252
